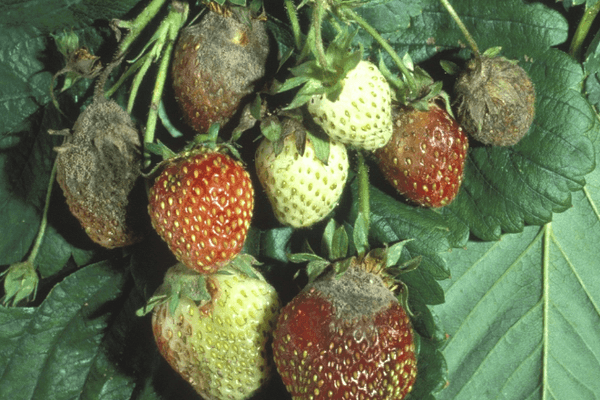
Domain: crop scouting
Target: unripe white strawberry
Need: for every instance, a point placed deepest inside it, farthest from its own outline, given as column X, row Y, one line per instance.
column 219, row 346
column 361, row 115
column 301, row 188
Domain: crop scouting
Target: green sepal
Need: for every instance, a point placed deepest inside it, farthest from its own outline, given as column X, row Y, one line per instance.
column 271, row 128
column 244, row 263
column 450, row 67
column 339, row 244
column 492, row 52
column 394, row 252
column 180, row 281
column 314, row 269
column 160, row 149
column 304, row 257
column 327, row 238
column 320, row 145
column 20, row 283
column 317, row 79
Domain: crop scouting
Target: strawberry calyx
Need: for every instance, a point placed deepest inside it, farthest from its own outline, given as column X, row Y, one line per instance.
column 277, row 127
column 383, row 262
column 323, row 75
column 181, row 281
column 201, row 143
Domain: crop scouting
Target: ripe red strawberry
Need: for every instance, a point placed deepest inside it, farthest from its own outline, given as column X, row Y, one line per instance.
column 346, row 337
column 216, row 63
column 218, row 345
column 201, row 205
column 425, row 158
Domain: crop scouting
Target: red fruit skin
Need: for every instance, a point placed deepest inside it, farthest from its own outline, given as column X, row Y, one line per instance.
column 425, row 158
column 320, row 356
column 201, row 205
column 216, row 63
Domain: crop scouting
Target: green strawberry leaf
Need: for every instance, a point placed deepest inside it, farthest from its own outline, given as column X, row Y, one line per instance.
column 69, row 325
column 529, row 325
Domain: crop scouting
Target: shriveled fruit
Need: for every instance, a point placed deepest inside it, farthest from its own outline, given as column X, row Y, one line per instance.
column 425, row 158
column 97, row 167
column 346, row 336
column 301, row 188
column 219, row 347
column 496, row 101
column 216, row 63
column 201, row 205
column 361, row 115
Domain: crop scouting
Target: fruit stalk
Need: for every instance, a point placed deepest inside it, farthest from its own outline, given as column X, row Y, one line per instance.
column 136, row 26
column 363, row 190
column 462, row 27
column 20, row 270
column 293, row 17
column 174, row 21
column 583, row 29
column 317, row 19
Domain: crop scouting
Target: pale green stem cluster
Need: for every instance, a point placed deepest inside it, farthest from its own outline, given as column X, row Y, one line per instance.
column 162, row 43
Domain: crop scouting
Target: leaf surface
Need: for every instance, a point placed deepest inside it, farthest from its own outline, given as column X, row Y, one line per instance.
column 523, row 313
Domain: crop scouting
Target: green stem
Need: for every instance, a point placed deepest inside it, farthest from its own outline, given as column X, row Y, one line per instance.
column 363, row 189
column 410, row 80
column 145, row 63
column 42, row 230
column 462, row 27
column 318, row 14
column 175, row 21
column 130, row 71
column 583, row 29
column 293, row 17
column 137, row 25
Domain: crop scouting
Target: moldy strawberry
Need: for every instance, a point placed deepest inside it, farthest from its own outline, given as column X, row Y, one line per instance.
column 216, row 64
column 97, row 167
column 346, row 336
column 495, row 100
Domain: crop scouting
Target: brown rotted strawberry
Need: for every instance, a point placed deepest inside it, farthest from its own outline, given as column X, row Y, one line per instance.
column 346, row 336
column 97, row 168
column 216, row 64
column 495, row 97
column 201, row 205
column 425, row 158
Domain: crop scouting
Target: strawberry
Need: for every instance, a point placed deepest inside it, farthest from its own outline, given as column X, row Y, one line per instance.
column 361, row 114
column 345, row 336
column 201, row 205
column 301, row 188
column 218, row 345
column 495, row 100
column 97, row 168
column 425, row 158
column 216, row 64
